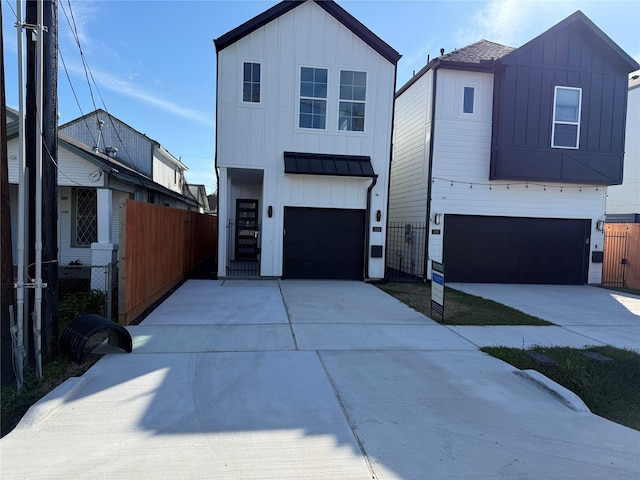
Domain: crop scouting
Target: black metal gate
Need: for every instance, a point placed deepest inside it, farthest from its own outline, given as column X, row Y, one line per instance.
column 405, row 260
column 615, row 259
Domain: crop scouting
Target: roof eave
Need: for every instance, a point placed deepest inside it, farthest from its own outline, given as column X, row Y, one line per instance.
column 329, row 6
column 578, row 16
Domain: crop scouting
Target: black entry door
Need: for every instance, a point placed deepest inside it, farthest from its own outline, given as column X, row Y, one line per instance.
column 246, row 229
column 485, row 249
column 323, row 243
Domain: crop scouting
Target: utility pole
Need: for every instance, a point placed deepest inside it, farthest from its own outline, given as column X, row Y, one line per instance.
column 50, row 182
column 6, row 253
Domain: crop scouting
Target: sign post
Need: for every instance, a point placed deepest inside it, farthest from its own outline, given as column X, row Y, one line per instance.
column 437, row 288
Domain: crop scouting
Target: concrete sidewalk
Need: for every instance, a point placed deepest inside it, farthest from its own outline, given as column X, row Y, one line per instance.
column 584, row 315
column 308, row 379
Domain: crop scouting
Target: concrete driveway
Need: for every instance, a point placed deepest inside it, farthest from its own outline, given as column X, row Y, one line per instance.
column 308, row 379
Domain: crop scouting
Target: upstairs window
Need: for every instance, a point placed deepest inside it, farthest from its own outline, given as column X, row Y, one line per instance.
column 353, row 95
column 313, row 98
column 467, row 100
column 566, row 117
column 251, row 82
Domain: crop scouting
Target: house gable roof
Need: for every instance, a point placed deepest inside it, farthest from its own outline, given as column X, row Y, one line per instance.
column 580, row 20
column 485, row 55
column 117, row 168
column 481, row 52
column 479, row 56
column 330, row 7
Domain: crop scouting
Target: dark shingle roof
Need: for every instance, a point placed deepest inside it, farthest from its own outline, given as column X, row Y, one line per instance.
column 479, row 52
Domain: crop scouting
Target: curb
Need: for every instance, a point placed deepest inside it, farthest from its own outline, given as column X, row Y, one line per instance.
column 566, row 396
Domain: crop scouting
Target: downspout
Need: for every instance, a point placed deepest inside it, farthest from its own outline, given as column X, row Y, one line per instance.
column 215, row 167
column 430, row 174
column 367, row 226
column 393, row 121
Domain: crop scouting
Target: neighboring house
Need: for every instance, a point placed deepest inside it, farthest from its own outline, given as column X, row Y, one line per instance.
column 199, row 194
column 107, row 134
column 623, row 201
column 92, row 185
column 622, row 230
column 303, row 143
column 507, row 154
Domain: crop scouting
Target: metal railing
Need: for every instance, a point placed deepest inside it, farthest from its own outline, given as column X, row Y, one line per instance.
column 243, row 250
column 405, row 260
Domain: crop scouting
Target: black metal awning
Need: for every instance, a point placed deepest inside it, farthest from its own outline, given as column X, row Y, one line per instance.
column 323, row 164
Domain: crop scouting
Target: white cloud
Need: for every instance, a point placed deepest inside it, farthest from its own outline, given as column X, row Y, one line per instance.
column 77, row 18
column 514, row 22
column 122, row 85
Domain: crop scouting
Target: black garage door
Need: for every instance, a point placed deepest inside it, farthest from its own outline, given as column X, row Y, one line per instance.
column 516, row 250
column 323, row 243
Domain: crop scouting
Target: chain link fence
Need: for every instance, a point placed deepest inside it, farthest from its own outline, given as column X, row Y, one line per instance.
column 87, row 289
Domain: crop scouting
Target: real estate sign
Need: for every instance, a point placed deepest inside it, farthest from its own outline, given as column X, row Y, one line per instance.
column 437, row 287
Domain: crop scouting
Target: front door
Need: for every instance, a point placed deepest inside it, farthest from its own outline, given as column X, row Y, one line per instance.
column 246, row 229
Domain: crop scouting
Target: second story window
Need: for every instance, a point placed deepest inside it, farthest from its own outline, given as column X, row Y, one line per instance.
column 313, row 98
column 251, row 82
column 566, row 117
column 353, row 95
column 467, row 101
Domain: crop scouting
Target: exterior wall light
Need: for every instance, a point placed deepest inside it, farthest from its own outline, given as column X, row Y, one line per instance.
column 270, row 211
column 600, row 225
column 378, row 215
column 436, row 218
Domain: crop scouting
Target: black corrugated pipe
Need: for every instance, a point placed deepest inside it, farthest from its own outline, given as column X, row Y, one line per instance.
column 367, row 226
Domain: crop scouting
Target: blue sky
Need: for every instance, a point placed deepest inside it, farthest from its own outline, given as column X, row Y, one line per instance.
column 154, row 62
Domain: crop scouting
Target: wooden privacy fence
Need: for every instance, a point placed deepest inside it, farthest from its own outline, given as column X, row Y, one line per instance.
column 158, row 246
column 621, row 264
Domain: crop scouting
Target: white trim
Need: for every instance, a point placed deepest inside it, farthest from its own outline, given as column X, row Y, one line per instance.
column 300, row 97
column 366, row 101
column 242, row 100
column 564, row 122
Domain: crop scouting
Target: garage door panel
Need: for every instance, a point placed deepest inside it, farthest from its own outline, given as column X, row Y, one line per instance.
column 323, row 243
column 516, row 250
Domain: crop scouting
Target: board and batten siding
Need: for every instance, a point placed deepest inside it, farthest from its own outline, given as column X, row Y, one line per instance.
column 255, row 136
column 461, row 170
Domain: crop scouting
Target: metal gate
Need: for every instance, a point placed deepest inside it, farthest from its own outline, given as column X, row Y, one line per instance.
column 615, row 259
column 405, row 260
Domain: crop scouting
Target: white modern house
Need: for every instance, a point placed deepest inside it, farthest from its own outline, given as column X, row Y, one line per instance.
column 506, row 155
column 304, row 105
column 101, row 163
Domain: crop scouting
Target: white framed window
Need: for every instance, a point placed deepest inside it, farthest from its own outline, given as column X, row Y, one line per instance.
column 85, row 222
column 468, row 98
column 567, row 104
column 353, row 96
column 313, row 98
column 251, row 82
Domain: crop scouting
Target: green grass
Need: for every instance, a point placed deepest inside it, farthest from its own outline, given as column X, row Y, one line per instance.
column 14, row 404
column 459, row 308
column 609, row 390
